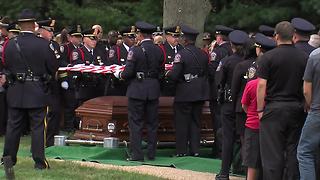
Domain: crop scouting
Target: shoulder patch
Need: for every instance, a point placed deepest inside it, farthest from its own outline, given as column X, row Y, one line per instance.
column 51, row 46
column 177, row 58
column 61, row 49
column 130, row 55
column 111, row 53
column 213, row 56
column 75, row 56
column 251, row 72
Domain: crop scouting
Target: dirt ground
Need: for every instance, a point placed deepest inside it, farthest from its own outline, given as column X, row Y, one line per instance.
column 164, row 172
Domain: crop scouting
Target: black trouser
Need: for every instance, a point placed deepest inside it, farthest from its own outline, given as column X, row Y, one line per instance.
column 137, row 111
column 280, row 129
column 3, row 113
column 215, row 110
column 70, row 104
column 54, row 117
column 188, row 126
column 38, row 118
column 228, row 136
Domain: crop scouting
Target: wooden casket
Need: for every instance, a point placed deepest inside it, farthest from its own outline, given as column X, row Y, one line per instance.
column 108, row 117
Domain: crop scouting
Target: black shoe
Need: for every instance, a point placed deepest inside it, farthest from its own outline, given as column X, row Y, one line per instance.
column 222, row 177
column 195, row 154
column 180, row 155
column 42, row 166
column 133, row 159
column 151, row 158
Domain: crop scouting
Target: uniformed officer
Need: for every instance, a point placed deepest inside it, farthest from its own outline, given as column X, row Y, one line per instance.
column 142, row 71
column 158, row 36
column 266, row 30
column 303, row 30
column 68, row 98
column 238, row 39
column 169, row 49
column 46, row 28
column 221, row 49
column 30, row 62
column 4, row 23
column 190, row 71
column 89, row 85
column 118, row 55
column 206, row 41
column 101, row 46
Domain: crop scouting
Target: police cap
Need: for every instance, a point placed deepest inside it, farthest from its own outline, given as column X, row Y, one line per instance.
column 128, row 31
column 47, row 24
column 238, row 37
column 4, row 22
column 206, row 36
column 26, row 15
column 266, row 30
column 223, row 30
column 302, row 26
column 158, row 32
column 13, row 27
column 264, row 42
column 145, row 27
column 173, row 30
column 89, row 33
column 189, row 32
column 75, row 31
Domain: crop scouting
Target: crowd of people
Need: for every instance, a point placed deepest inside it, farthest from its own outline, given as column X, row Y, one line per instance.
column 262, row 89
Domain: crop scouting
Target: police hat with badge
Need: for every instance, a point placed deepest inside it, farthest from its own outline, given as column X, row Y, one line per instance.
column 13, row 27
column 223, row 30
column 266, row 30
column 129, row 32
column 238, row 37
column 4, row 22
column 302, row 26
column 75, row 31
column 89, row 33
column 47, row 24
column 174, row 31
column 145, row 28
column 158, row 32
column 189, row 33
column 264, row 42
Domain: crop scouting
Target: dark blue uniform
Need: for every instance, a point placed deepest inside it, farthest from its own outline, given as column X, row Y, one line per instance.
column 28, row 95
column 190, row 72
column 142, row 71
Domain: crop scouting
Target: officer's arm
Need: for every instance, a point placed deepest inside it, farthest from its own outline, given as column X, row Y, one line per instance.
column 236, row 82
column 51, row 62
column 224, row 74
column 175, row 73
column 261, row 91
column 64, row 59
column 129, row 71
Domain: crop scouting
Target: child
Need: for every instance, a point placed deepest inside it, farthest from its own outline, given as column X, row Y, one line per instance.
column 251, row 149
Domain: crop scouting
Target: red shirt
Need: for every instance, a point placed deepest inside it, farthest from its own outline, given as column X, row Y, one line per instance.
column 249, row 98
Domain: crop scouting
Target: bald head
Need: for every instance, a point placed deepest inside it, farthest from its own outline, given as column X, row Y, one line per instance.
column 98, row 31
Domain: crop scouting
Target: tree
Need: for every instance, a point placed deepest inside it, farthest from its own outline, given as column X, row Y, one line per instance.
column 189, row 12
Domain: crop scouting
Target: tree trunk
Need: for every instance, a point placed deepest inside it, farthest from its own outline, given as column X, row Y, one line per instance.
column 189, row 12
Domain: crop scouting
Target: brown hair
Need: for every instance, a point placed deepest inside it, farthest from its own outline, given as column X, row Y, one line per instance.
column 285, row 30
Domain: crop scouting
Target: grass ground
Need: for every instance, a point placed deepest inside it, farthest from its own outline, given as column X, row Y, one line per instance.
column 62, row 170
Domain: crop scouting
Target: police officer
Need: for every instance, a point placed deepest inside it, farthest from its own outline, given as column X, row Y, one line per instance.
column 303, row 30
column 46, row 28
column 221, row 49
column 88, row 85
column 68, row 98
column 30, row 62
column 170, row 48
column 101, row 46
column 190, row 71
column 118, row 55
column 142, row 71
column 238, row 39
column 4, row 23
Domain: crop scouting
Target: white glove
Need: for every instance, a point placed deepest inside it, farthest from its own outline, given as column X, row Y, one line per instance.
column 65, row 85
column 117, row 74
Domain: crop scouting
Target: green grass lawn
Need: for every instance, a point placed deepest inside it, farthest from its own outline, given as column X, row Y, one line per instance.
column 61, row 170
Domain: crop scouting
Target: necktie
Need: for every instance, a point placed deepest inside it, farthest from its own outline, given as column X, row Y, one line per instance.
column 175, row 50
